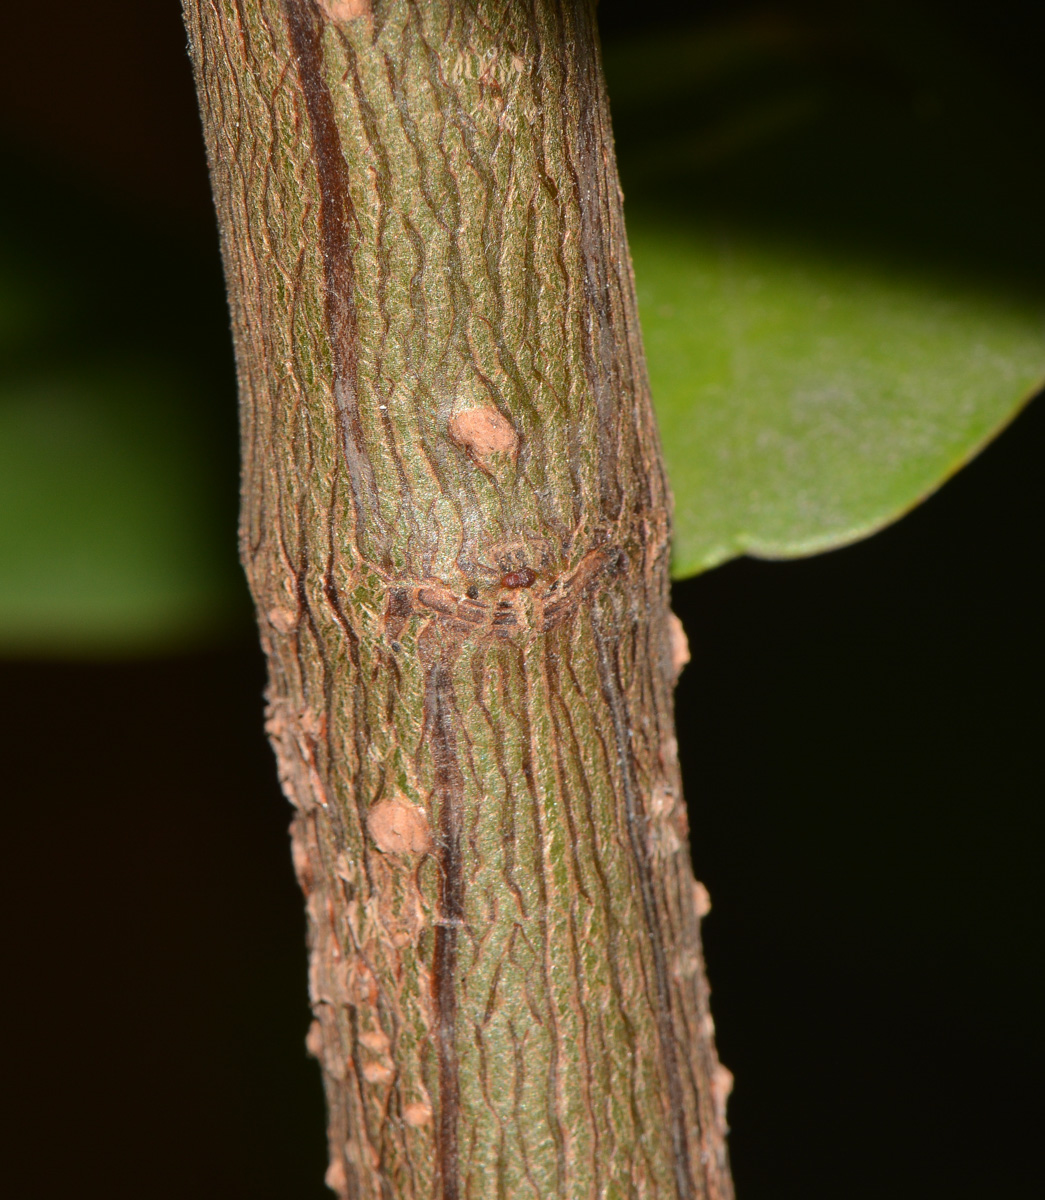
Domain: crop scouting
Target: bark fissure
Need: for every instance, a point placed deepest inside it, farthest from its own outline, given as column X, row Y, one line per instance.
column 439, row 706
column 305, row 27
column 455, row 527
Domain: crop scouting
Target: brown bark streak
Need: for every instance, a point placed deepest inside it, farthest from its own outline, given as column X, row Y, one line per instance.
column 439, row 714
column 455, row 527
column 305, row 26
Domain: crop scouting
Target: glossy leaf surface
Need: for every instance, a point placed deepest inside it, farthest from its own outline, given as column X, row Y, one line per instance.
column 838, row 250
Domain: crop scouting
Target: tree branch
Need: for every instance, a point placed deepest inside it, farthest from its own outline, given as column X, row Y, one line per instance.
column 455, row 526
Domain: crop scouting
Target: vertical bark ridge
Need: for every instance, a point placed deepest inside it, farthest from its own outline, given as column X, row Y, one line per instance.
column 635, row 819
column 531, row 754
column 455, row 526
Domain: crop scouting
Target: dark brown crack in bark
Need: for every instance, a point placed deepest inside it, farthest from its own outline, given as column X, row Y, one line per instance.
column 335, row 218
column 455, row 527
column 439, row 717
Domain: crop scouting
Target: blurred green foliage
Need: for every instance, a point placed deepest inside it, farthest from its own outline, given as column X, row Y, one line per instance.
column 117, row 429
column 108, row 538
column 840, row 260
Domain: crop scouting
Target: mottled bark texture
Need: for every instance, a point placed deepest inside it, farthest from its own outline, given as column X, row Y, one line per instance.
column 455, row 526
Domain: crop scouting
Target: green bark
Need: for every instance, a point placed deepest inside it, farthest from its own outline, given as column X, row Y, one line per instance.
column 455, row 526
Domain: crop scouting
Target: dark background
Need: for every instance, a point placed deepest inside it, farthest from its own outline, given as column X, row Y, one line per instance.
column 861, row 736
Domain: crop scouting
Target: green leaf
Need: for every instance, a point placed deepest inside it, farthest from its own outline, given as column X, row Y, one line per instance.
column 840, row 263
column 806, row 403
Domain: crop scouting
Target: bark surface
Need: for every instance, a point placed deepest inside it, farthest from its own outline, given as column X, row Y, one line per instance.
column 455, row 525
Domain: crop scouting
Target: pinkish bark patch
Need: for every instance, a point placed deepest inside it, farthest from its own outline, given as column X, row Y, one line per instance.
column 679, row 644
column 485, row 434
column 399, row 828
column 345, row 10
column 418, row 1113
